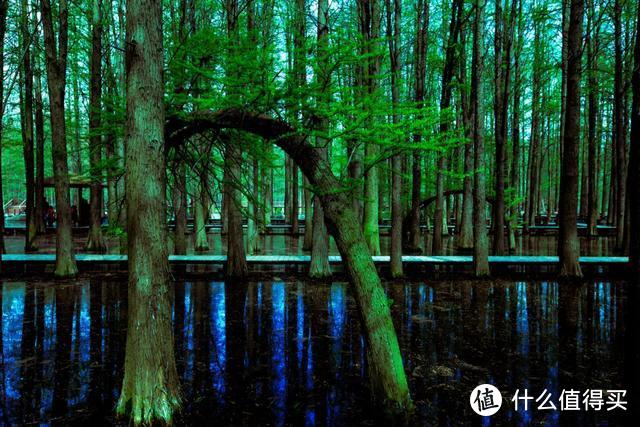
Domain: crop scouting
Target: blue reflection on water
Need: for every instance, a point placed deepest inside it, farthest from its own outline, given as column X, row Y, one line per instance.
column 337, row 315
column 218, row 329
column 12, row 315
column 81, row 344
column 278, row 343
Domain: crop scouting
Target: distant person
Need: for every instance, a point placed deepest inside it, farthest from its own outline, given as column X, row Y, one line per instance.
column 50, row 216
column 74, row 215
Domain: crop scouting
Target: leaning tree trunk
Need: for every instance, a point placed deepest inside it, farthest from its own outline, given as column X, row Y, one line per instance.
column 150, row 388
column 389, row 383
column 56, row 78
column 96, row 241
column 568, row 244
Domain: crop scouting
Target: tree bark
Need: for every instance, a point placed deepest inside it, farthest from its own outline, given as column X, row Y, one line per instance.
column 619, row 126
column 592, row 84
column 634, row 159
column 420, row 67
column 39, row 125
column 568, row 244
column 4, row 5
column 150, row 388
column 26, row 114
column 464, row 239
column 440, row 217
column 56, row 77
column 394, row 18
column 480, row 243
column 319, row 265
column 96, row 242
column 369, row 21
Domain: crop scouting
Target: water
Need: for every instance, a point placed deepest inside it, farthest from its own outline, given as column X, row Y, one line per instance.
column 288, row 352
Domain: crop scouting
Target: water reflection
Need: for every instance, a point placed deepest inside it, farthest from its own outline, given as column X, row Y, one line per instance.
column 292, row 353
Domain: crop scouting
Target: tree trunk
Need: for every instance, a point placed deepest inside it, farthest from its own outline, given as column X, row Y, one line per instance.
column 369, row 17
column 480, row 243
column 568, row 244
column 464, row 240
column 26, row 113
column 388, row 379
column 394, row 19
column 619, row 125
column 634, row 159
column 592, row 84
column 254, row 245
column 180, row 209
column 150, row 388
column 308, row 218
column 95, row 242
column 319, row 265
column 420, row 67
column 201, row 214
column 236, row 257
column 440, row 217
column 56, row 77
column 39, row 124
column 4, row 5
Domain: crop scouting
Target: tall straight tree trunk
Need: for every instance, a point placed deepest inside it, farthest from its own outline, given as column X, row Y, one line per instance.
column 369, row 18
column 201, row 204
column 4, row 5
column 420, row 67
column 150, row 388
column 568, row 244
column 464, row 240
column 480, row 242
column 619, row 125
column 535, row 163
column 56, row 78
column 26, row 113
column 39, row 126
column 634, row 159
column 514, row 210
column 440, row 217
column 592, row 84
column 319, row 265
column 236, row 256
column 308, row 217
column 499, row 113
column 394, row 18
column 95, row 242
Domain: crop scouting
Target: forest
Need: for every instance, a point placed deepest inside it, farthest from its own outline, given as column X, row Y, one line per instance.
column 379, row 144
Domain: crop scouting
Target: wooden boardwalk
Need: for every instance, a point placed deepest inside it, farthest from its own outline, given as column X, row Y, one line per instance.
column 25, row 259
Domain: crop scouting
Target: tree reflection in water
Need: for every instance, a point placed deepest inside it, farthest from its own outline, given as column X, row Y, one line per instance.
column 292, row 352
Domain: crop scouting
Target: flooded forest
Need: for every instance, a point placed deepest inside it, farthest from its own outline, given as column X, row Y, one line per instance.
column 320, row 212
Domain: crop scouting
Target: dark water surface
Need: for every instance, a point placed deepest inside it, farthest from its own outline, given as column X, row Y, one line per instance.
column 289, row 352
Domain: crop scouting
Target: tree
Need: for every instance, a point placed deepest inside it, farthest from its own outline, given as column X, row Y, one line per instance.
column 150, row 388
column 568, row 244
column 420, row 57
column 480, row 244
column 369, row 25
column 319, row 265
column 95, row 242
column 634, row 159
column 56, row 60
column 4, row 5
column 394, row 18
column 26, row 113
column 389, row 383
column 439, row 218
